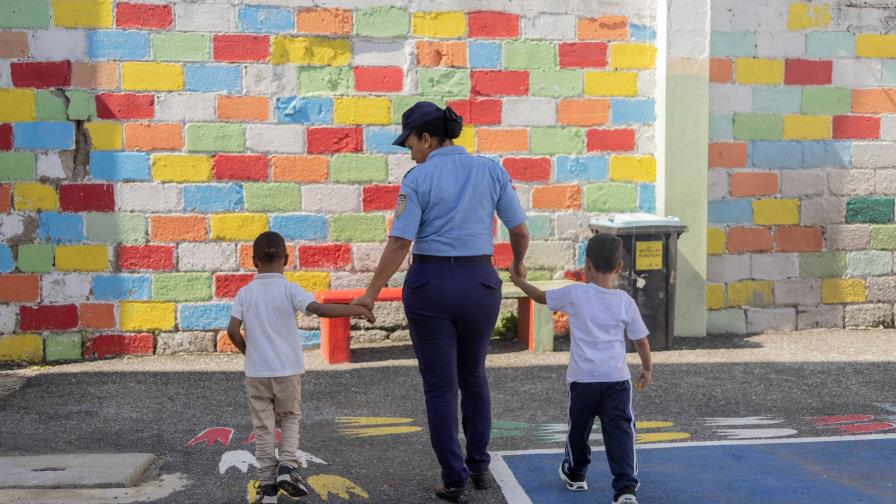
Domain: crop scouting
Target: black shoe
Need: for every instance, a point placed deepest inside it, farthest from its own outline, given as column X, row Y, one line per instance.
column 625, row 496
column 481, row 481
column 289, row 481
column 266, row 494
column 452, row 494
column 574, row 482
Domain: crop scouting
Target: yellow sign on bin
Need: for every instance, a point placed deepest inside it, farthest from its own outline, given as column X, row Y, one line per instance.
column 648, row 255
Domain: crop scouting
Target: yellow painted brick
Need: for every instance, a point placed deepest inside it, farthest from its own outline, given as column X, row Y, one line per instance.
column 34, row 196
column 770, row 212
column 759, row 71
column 715, row 241
column 17, row 105
column 750, row 293
column 447, row 24
column 235, row 226
column 146, row 316
column 872, row 45
column 611, row 83
column 82, row 13
column 104, row 135
column 715, row 296
column 802, row 16
column 467, row 138
column 21, row 347
column 138, row 76
column 362, row 111
column 310, row 51
column 633, row 168
column 807, row 127
column 82, row 258
column 311, row 281
column 632, row 56
column 177, row 168
column 842, row 290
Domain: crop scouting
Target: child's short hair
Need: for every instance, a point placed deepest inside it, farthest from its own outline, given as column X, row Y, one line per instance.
column 269, row 247
column 604, row 251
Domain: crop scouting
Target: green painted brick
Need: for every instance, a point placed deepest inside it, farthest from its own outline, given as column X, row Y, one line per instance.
column 35, row 258
column 325, row 80
column 777, row 100
column 864, row 263
column 182, row 287
column 826, row 100
column 216, row 138
column 50, row 107
column 25, row 14
column 63, row 346
column 611, row 197
column 758, row 127
column 351, row 228
column 822, row 264
column 180, row 46
column 522, row 55
column 556, row 140
column 384, row 22
column 540, row 227
column 869, row 210
column 265, row 197
column 81, row 105
column 401, row 103
column 16, row 166
column 889, row 73
column 358, row 168
column 883, row 237
column 830, row 45
column 443, row 82
column 556, row 84
column 115, row 227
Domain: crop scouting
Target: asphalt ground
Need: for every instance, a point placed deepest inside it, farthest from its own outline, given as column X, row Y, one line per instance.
column 366, row 420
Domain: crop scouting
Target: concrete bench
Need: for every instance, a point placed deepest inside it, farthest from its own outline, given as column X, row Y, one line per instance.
column 535, row 326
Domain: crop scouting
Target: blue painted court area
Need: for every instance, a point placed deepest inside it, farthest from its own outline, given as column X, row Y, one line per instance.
column 809, row 470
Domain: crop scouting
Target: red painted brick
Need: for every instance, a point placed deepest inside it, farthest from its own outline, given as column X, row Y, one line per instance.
column 753, row 183
column 499, row 82
column 41, row 74
column 329, row 256
column 485, row 24
column 228, row 284
column 241, row 47
column 503, row 255
column 5, row 137
column 125, row 106
column 48, row 317
column 583, row 55
column 807, row 72
column 19, row 288
column 379, row 197
column 224, row 344
column 857, row 127
column 798, row 239
column 378, row 79
column 528, row 169
column 331, row 140
column 97, row 315
column 727, row 155
column 112, row 345
column 5, row 197
column 478, row 111
column 137, row 15
column 87, row 197
column 617, row 140
column 240, row 167
column 749, row 239
column 146, row 257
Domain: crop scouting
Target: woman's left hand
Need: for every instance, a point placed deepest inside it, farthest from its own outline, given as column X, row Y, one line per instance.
column 366, row 301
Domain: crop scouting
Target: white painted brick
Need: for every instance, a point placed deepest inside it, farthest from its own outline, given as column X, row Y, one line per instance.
column 524, row 194
column 345, row 280
column 11, row 226
column 888, row 128
column 185, row 342
column 550, row 255
column 645, row 137
column 366, row 256
column 760, row 320
column 49, row 165
column 847, row 236
column 819, row 317
column 647, row 83
column 723, row 322
column 5, row 75
column 865, row 263
column 718, row 184
column 885, row 182
column 737, row 15
column 727, row 268
column 798, row 183
column 822, row 211
column 775, row 266
column 572, row 226
column 873, row 154
column 550, row 26
column 529, row 112
column 61, row 288
column 857, row 73
column 798, row 291
column 331, row 198
column 204, row 17
column 8, row 318
column 55, row 45
column 869, row 315
column 851, row 182
column 381, row 52
column 265, row 79
column 286, row 138
column 881, row 289
column 730, row 98
column 399, row 164
column 148, row 197
column 780, row 45
column 206, row 257
column 185, row 107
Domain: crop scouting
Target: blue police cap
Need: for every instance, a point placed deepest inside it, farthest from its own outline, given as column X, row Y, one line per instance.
column 422, row 115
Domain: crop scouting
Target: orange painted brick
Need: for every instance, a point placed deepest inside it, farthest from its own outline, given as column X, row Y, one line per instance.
column 13, row 44
column 727, row 155
column 603, row 28
column 224, row 345
column 434, row 53
column 583, row 112
column 299, row 168
column 753, row 184
column 19, row 288
column 153, row 136
column 324, row 21
column 749, row 239
column 798, row 239
column 242, row 108
column 557, row 197
column 97, row 316
column 5, row 197
column 874, row 101
column 175, row 228
column 721, row 70
column 502, row 140
column 245, row 251
column 100, row 75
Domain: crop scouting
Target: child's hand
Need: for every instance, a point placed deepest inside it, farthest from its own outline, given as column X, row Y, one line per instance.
column 644, row 379
column 515, row 278
column 365, row 313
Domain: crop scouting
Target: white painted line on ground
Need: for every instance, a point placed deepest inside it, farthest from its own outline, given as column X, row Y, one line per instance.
column 166, row 485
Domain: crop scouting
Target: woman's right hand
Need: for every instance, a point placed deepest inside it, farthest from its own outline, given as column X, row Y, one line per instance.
column 518, row 269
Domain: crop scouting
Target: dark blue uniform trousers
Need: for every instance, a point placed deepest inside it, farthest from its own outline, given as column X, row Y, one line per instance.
column 612, row 403
column 452, row 309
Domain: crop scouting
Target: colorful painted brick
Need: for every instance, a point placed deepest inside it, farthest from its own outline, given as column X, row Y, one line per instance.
column 324, row 21
column 602, row 28
column 104, row 346
column 41, row 74
column 237, row 226
column 379, row 197
column 146, row 257
column 241, row 48
column 240, row 167
column 242, row 108
column 299, row 168
column 483, row 24
column 86, row 197
column 856, row 127
column 329, row 256
column 25, row 14
column 153, row 136
column 499, row 82
column 378, row 79
column 146, row 16
column 807, row 72
column 181, row 168
column 382, row 21
column 48, row 317
column 21, row 347
column 139, row 76
column 759, row 71
column 447, row 24
column 528, row 169
column 182, row 287
column 333, row 140
column 142, row 316
column 357, row 228
column 310, row 51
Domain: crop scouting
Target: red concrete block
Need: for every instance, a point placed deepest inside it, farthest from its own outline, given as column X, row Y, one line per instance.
column 528, row 169
column 721, row 70
column 379, row 79
column 5, row 197
column 583, row 55
column 332, row 140
column 484, row 24
column 112, row 345
column 87, row 197
column 379, row 197
column 478, row 111
column 241, row 47
column 19, row 288
column 137, row 15
column 798, row 239
column 502, row 256
column 41, row 74
column 228, row 284
column 856, row 127
column 240, row 167
column 125, row 106
column 146, row 257
column 807, row 72
column 5, row 137
column 753, row 184
column 329, row 256
column 727, row 155
column 499, row 82
column 48, row 317
column 224, row 345
column 97, row 315
column 617, row 140
column 749, row 239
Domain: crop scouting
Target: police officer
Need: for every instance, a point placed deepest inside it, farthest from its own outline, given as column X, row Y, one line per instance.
column 452, row 293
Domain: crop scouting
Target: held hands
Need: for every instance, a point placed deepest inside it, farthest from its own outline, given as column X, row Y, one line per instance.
column 364, row 313
column 518, row 273
column 644, row 379
column 366, row 301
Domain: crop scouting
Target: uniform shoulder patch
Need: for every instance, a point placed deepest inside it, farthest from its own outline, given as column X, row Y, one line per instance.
column 401, row 204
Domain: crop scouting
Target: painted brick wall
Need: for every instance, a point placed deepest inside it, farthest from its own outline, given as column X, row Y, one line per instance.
column 144, row 145
column 802, row 166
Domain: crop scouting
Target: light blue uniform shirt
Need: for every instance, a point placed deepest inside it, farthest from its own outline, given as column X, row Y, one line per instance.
column 447, row 204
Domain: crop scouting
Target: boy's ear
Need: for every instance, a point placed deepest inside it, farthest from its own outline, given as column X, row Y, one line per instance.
column 285, row 258
column 619, row 267
column 255, row 262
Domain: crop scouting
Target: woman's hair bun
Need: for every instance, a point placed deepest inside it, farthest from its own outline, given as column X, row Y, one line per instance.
column 453, row 123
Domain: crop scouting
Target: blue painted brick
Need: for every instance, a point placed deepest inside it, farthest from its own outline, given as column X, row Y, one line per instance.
column 889, row 73
column 721, row 126
column 776, row 154
column 778, row 100
column 732, row 44
column 7, row 263
column 122, row 287
column 60, row 227
column 44, row 135
column 203, row 317
column 632, row 111
column 571, row 168
column 828, row 154
column 310, row 339
column 379, row 139
column 213, row 197
column 736, row 211
column 262, row 19
column 299, row 226
column 119, row 165
column 641, row 33
column 830, row 45
column 292, row 109
column 118, row 45
column 202, row 77
column 580, row 254
column 484, row 54
column 647, row 198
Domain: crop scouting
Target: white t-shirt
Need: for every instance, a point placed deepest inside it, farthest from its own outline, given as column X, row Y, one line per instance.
column 598, row 322
column 267, row 306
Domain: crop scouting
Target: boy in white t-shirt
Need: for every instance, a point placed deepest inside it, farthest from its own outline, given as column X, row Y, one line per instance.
column 598, row 379
column 267, row 308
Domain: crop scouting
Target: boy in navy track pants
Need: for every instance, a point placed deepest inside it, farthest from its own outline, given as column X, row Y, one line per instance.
column 598, row 379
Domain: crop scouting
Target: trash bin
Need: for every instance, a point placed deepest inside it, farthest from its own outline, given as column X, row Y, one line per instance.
column 648, row 274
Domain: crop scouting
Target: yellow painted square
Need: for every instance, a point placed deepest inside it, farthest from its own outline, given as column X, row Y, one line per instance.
column 772, row 212
column 873, row 45
column 311, row 281
column 139, row 76
column 759, row 71
column 22, row 347
column 448, row 24
column 715, row 241
column 633, row 168
column 17, row 105
column 33, row 197
column 82, row 258
column 238, row 227
column 807, row 127
column 715, row 296
column 611, row 83
column 751, row 293
column 136, row 316
column 82, row 13
column 362, row 110
column 181, row 168
column 843, row 290
column 105, row 136
column 310, row 51
column 626, row 55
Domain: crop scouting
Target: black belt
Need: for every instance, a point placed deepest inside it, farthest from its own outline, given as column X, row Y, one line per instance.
column 484, row 259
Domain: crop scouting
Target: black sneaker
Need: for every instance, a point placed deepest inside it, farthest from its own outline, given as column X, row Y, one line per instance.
column 452, row 494
column 289, row 481
column 481, row 481
column 266, row 494
column 574, row 482
column 625, row 496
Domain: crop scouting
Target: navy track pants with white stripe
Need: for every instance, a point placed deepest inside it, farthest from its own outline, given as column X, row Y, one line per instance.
column 612, row 403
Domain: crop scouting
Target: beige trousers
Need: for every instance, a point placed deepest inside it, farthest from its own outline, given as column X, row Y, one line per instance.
column 275, row 403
